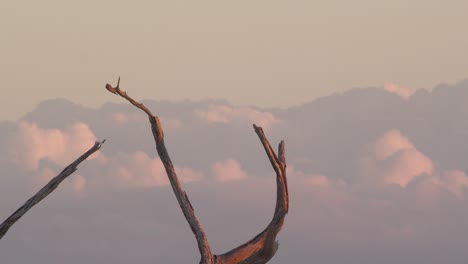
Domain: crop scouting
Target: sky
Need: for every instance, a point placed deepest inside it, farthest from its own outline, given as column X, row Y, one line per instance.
column 375, row 175
column 370, row 98
column 261, row 53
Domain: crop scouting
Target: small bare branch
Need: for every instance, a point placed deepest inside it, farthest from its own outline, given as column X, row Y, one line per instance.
column 47, row 189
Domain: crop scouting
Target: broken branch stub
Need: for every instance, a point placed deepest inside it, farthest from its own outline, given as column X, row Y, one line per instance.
column 262, row 247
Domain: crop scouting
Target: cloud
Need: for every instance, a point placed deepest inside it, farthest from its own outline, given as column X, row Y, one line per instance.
column 216, row 113
column 228, row 170
column 140, row 171
column 78, row 183
column 401, row 91
column 31, row 143
column 123, row 118
column 367, row 172
column 187, row 175
column 317, row 180
column 455, row 181
column 390, row 143
column 393, row 159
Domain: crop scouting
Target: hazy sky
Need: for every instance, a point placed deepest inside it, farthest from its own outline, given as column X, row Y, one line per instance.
column 265, row 53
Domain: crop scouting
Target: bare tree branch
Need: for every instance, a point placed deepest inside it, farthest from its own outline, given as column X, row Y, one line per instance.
column 184, row 203
column 47, row 189
column 261, row 248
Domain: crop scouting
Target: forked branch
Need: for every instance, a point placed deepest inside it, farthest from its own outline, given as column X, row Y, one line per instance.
column 258, row 250
column 47, row 189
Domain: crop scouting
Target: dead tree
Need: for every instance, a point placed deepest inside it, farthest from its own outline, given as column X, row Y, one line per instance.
column 47, row 189
column 262, row 247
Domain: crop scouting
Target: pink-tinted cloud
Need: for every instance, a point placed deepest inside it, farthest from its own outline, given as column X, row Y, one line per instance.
column 390, row 143
column 455, row 181
column 401, row 91
column 78, row 183
column 405, row 166
column 226, row 114
column 139, row 170
column 187, row 175
column 32, row 143
column 393, row 159
column 124, row 118
column 318, row 180
column 228, row 170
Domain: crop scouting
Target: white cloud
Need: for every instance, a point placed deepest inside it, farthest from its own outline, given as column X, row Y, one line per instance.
column 139, row 170
column 78, row 183
column 390, row 143
column 188, row 175
column 317, row 180
column 401, row 91
column 455, row 181
column 228, row 170
column 171, row 123
column 121, row 118
column 393, row 159
column 31, row 143
column 226, row 114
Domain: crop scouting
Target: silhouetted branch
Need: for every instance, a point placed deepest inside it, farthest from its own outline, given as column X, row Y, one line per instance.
column 47, row 189
column 261, row 248
column 184, row 203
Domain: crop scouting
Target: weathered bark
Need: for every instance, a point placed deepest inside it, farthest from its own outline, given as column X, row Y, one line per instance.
column 47, row 189
column 261, row 248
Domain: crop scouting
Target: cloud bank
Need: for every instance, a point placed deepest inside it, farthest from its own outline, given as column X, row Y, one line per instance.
column 373, row 178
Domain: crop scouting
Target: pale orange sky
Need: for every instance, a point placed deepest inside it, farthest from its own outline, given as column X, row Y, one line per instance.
column 265, row 53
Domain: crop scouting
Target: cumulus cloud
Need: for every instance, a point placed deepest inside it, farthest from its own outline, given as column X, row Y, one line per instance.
column 228, row 170
column 226, row 114
column 122, row 118
column 78, row 183
column 317, row 180
column 390, row 143
column 393, row 200
column 401, row 91
column 455, row 181
column 139, row 170
column 393, row 159
column 31, row 143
